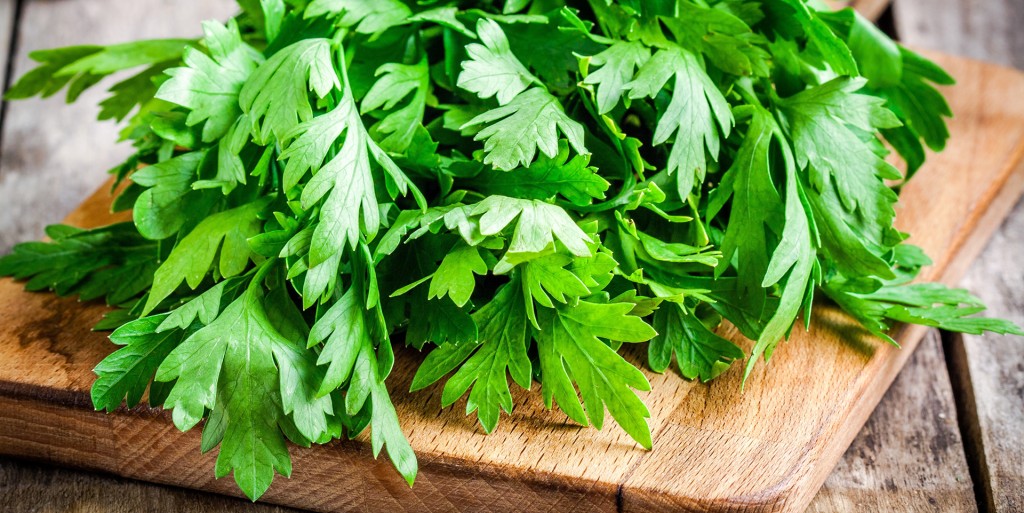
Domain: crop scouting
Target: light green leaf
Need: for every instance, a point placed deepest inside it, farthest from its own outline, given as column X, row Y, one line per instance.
column 161, row 210
column 455, row 276
column 513, row 133
column 124, row 56
column 365, row 17
column 492, row 70
column 341, row 329
column 538, row 226
column 501, row 349
column 700, row 353
column 570, row 350
column 248, row 409
column 618, row 64
column 276, row 96
column 397, row 81
column 125, row 374
column 191, row 259
column 698, row 116
column 208, row 85
column 574, row 179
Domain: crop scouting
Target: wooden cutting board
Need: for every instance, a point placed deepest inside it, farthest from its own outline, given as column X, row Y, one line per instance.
column 716, row 449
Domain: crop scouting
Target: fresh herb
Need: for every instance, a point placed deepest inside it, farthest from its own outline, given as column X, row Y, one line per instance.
column 517, row 188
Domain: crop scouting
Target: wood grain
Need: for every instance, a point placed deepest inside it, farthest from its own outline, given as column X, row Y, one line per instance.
column 909, row 457
column 715, row 449
column 29, row 487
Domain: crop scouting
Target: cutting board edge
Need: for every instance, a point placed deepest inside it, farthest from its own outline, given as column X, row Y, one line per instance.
column 25, row 402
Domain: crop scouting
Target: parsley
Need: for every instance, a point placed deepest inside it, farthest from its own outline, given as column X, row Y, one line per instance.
column 516, row 188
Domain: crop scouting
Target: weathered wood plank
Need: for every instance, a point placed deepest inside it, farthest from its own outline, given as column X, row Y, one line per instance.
column 32, row 487
column 7, row 12
column 988, row 371
column 909, row 457
column 53, row 155
column 987, row 30
column 871, row 9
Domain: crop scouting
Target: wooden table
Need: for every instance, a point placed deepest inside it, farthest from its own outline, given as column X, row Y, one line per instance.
column 947, row 437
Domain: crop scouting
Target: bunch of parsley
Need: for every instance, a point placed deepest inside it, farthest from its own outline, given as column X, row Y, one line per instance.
column 516, row 187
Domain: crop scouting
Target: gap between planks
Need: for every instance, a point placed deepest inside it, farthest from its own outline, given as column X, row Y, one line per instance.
column 10, row 11
column 987, row 371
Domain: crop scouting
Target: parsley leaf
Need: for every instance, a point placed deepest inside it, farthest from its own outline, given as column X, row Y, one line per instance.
column 113, row 262
column 246, row 410
column 492, row 70
column 570, row 350
column 699, row 352
column 278, row 91
column 499, row 351
column 396, row 130
column 128, row 371
column 454, row 277
column 695, row 117
column 618, row 64
column 223, row 234
column 573, row 179
column 209, row 85
column 349, row 355
column 532, row 120
column 364, row 17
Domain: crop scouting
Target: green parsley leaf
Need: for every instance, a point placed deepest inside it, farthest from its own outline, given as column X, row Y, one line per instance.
column 500, row 350
column 696, row 116
column 492, row 70
column 126, row 373
column 278, row 91
column 454, row 278
column 513, row 133
column 209, row 85
column 570, row 350
column 573, row 179
column 618, row 64
column 246, row 410
column 396, row 130
column 700, row 353
column 223, row 234
column 364, row 17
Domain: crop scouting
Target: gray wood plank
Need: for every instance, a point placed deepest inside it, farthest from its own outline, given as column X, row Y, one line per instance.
column 909, row 457
column 987, row 30
column 54, row 155
column 28, row 487
column 988, row 370
column 7, row 11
